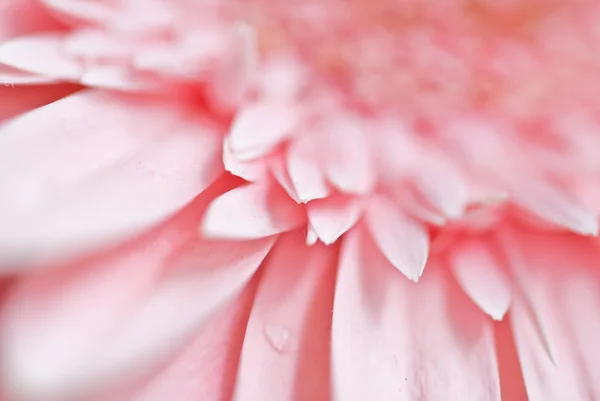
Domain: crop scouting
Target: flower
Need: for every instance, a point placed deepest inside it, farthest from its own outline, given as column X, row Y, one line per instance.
column 234, row 200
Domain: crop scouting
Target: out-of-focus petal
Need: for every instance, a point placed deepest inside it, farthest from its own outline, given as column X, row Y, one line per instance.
column 442, row 185
column 305, row 173
column 76, row 329
column 394, row 340
column 205, row 368
column 404, row 241
column 479, row 273
column 42, row 54
column 96, row 167
column 556, row 207
column 19, row 17
column 17, row 99
column 259, row 127
column 252, row 211
column 288, row 332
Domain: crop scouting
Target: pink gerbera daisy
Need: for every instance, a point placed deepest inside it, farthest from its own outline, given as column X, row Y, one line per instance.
column 314, row 200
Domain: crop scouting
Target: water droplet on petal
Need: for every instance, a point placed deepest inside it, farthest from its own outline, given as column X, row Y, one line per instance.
column 279, row 338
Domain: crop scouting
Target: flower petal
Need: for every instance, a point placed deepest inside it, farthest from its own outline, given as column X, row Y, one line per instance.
column 259, row 127
column 402, row 240
column 77, row 329
column 393, row 340
column 478, row 272
column 205, row 369
column 20, row 17
column 288, row 332
column 93, row 168
column 17, row 99
column 332, row 217
column 443, row 187
column 252, row 211
column 348, row 160
column 561, row 278
column 308, row 179
column 41, row 54
column 554, row 206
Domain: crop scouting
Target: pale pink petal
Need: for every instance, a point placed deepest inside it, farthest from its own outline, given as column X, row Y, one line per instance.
column 41, row 54
column 259, row 127
column 563, row 288
column 117, row 77
column 510, row 244
column 252, row 211
column 17, row 99
column 286, row 349
column 580, row 301
column 404, row 241
column 393, row 340
column 278, row 167
column 347, row 157
column 333, row 216
column 442, row 185
column 13, row 76
column 89, row 11
column 478, row 271
column 308, row 179
column 80, row 328
column 544, row 380
column 232, row 80
column 94, row 168
column 252, row 170
column 556, row 207
column 204, row 369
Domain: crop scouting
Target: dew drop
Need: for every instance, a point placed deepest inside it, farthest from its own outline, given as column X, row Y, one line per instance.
column 279, row 338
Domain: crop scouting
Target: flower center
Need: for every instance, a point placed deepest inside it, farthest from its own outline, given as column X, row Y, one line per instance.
column 441, row 56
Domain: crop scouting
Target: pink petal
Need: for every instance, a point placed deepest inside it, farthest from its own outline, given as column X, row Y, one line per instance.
column 562, row 285
column 347, row 155
column 12, row 76
column 78, row 329
column 286, row 349
column 401, row 239
column 41, row 54
column 441, row 184
column 205, row 369
column 259, row 127
column 396, row 341
column 544, row 380
column 332, row 217
column 278, row 167
column 18, row 99
column 90, row 11
column 20, row 17
column 556, row 207
column 479, row 273
column 308, row 179
column 93, row 168
column 252, row 170
column 252, row 211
